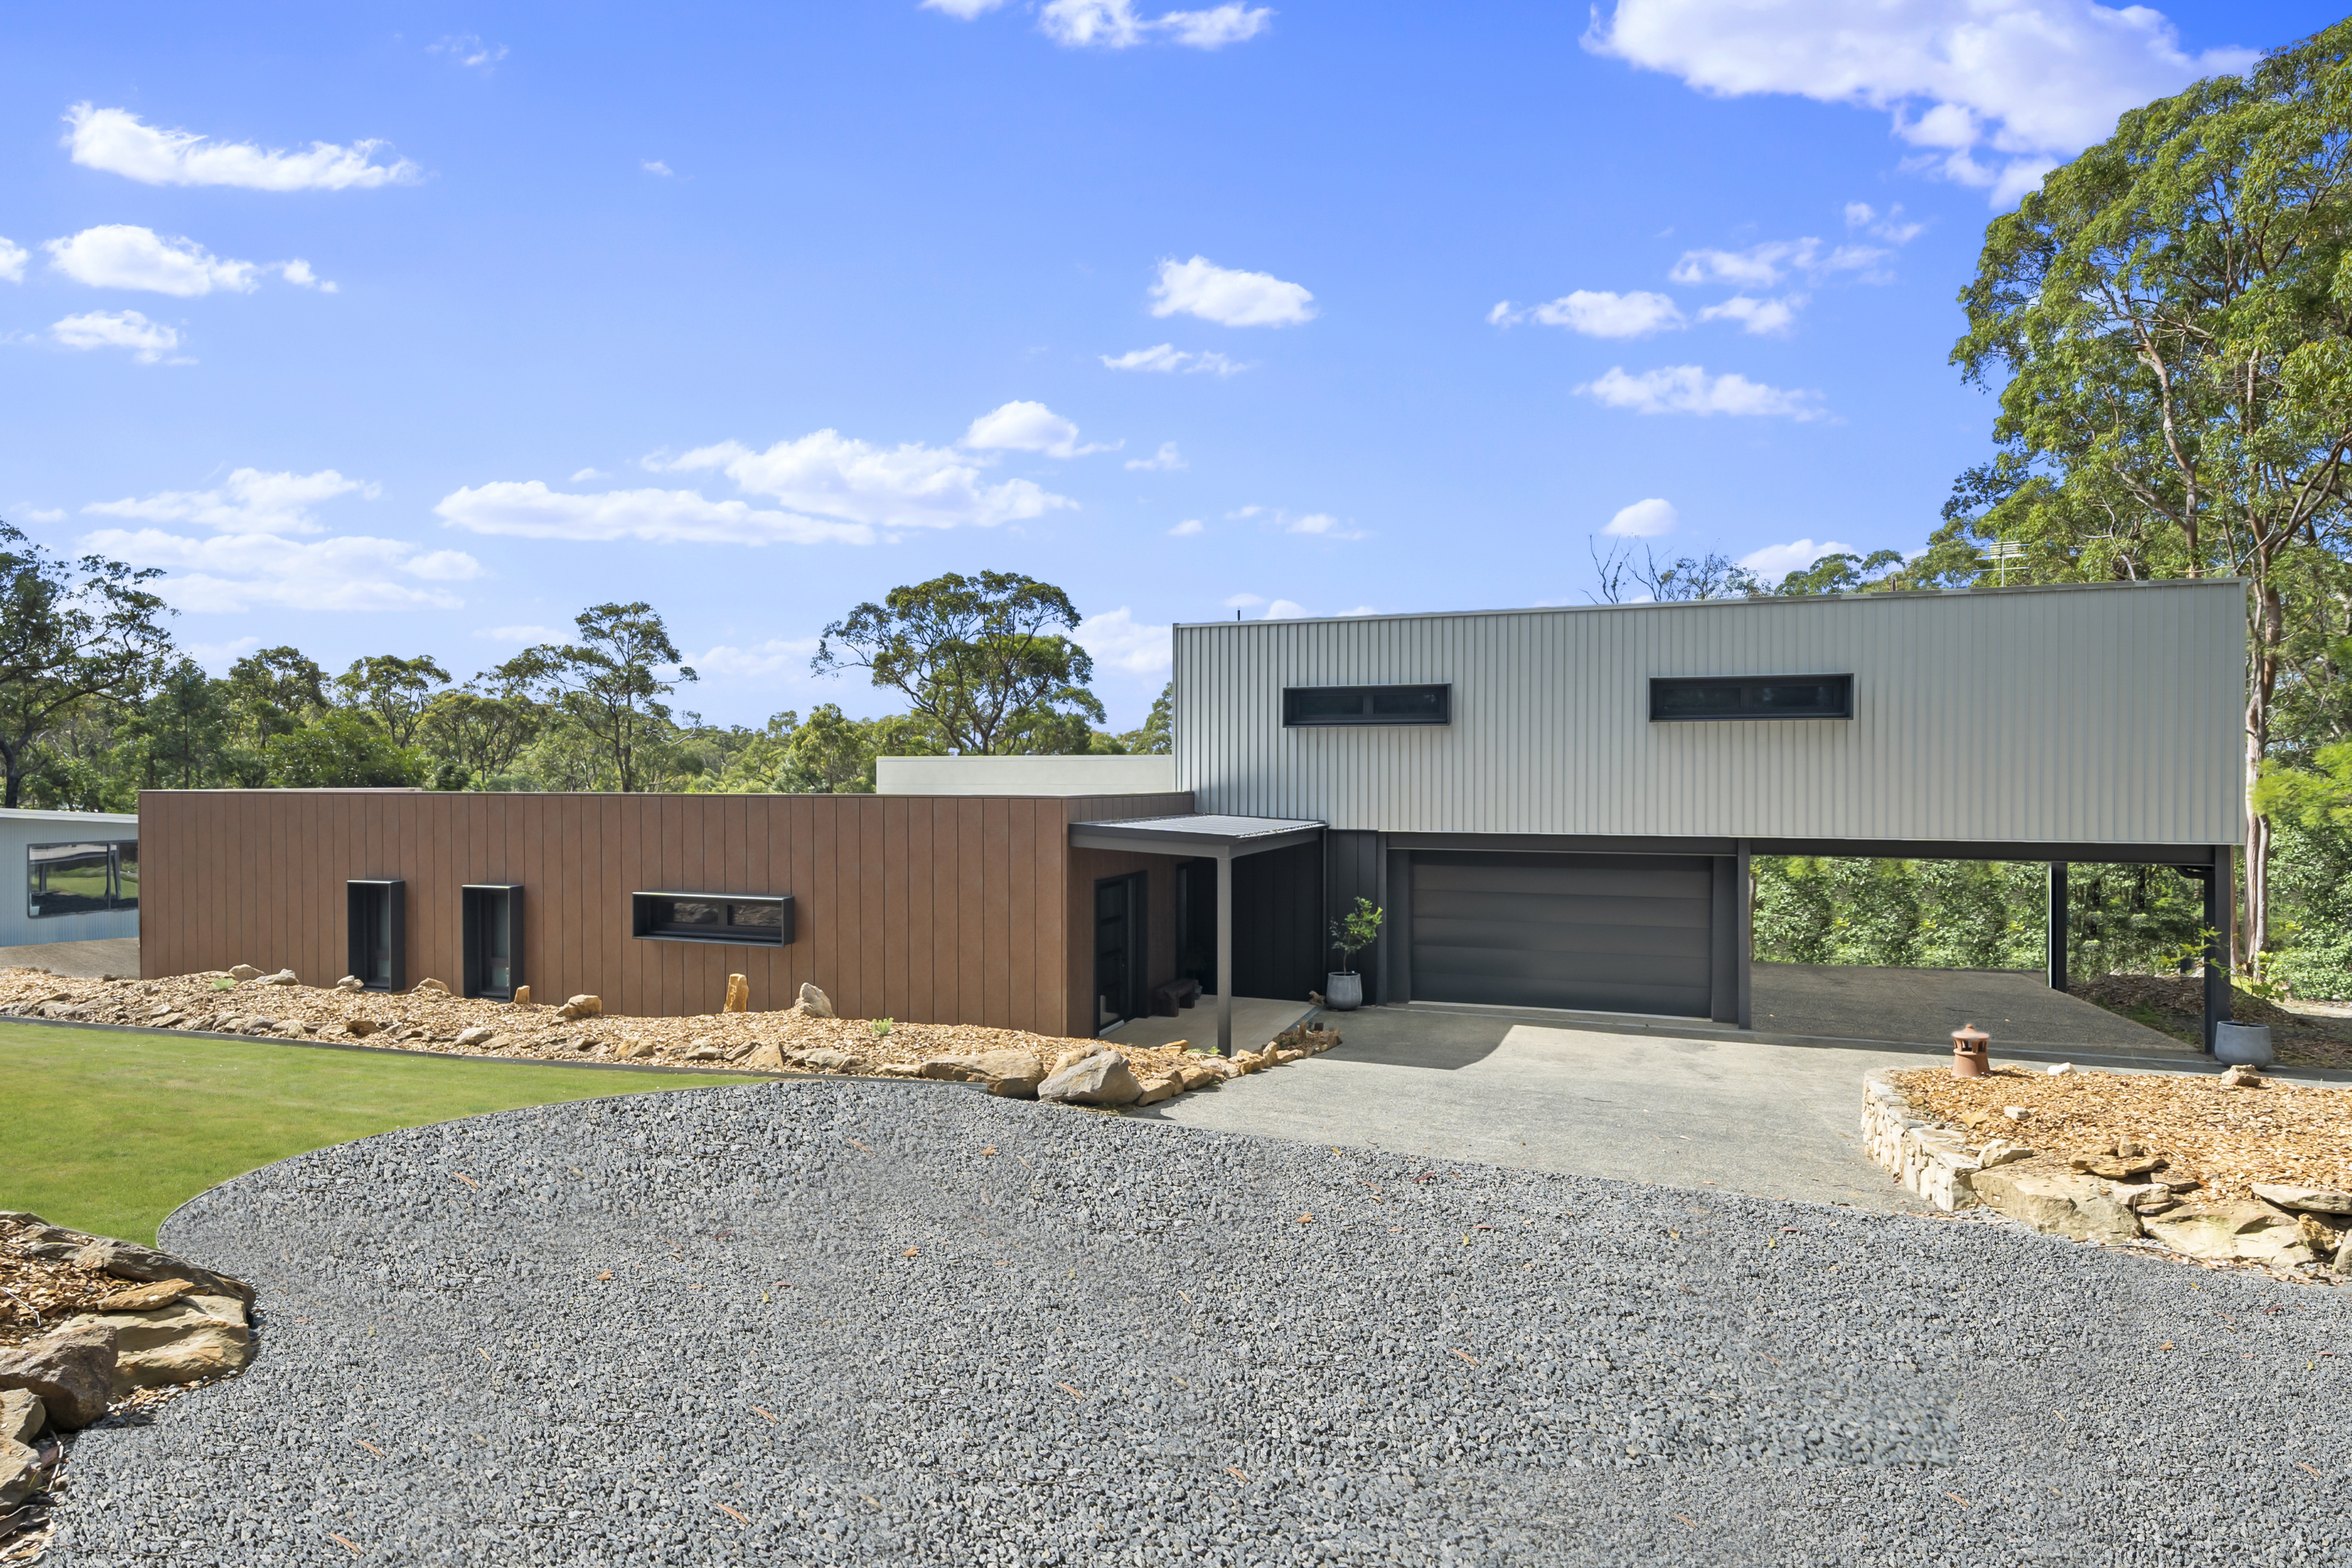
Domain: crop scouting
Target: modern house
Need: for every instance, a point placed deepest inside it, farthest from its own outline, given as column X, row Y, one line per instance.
column 1555, row 806
column 80, row 871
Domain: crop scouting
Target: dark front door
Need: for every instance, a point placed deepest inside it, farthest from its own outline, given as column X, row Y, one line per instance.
column 1118, row 950
column 1612, row 934
column 1196, row 924
column 491, row 929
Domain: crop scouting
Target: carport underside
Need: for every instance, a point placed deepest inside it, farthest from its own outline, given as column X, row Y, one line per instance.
column 1648, row 926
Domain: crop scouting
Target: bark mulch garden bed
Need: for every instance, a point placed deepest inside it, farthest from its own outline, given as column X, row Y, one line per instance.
column 2303, row 1034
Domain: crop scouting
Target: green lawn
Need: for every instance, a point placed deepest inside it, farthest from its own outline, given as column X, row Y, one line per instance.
column 109, row 1133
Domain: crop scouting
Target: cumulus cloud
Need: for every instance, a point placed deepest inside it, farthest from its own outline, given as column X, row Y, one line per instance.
column 1322, row 525
column 1188, row 528
column 1765, row 318
column 1167, row 359
column 1775, row 562
column 962, row 10
column 1285, row 610
column 1024, row 427
column 1765, row 264
column 1597, row 313
column 829, row 475
column 761, row 661
column 529, row 510
column 125, row 256
column 1228, row 297
column 117, row 142
column 42, row 513
column 1643, row 519
column 249, row 561
column 1889, row 225
column 1116, row 639
column 249, row 500
column 468, row 50
column 12, row 261
column 1688, row 389
column 148, row 341
column 656, row 167
column 1162, row 461
column 1998, row 92
column 1113, row 24
column 297, row 272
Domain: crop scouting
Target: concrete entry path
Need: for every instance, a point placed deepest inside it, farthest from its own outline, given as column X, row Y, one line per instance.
column 1257, row 1019
column 1773, row 1120
column 77, row 959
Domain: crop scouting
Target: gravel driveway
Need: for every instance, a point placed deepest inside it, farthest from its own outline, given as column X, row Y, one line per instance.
column 1110, row 1342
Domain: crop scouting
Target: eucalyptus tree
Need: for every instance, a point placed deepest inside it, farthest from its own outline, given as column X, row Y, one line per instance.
column 610, row 683
column 71, row 633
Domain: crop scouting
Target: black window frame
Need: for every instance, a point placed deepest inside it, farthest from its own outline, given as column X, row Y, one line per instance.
column 474, row 900
column 113, row 902
column 1749, row 685
column 376, row 901
column 646, row 926
column 1293, row 699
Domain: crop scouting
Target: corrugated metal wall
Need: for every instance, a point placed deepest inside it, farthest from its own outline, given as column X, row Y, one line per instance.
column 930, row 909
column 2105, row 714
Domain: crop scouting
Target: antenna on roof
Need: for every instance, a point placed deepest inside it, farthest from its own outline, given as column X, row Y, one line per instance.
column 1999, row 553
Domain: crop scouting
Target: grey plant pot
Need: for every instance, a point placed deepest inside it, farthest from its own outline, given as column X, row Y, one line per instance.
column 2243, row 1044
column 1343, row 993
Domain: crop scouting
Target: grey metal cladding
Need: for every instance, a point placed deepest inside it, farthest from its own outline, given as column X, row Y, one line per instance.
column 2093, row 714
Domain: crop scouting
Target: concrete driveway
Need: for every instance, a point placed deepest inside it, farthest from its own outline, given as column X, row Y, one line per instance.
column 1774, row 1120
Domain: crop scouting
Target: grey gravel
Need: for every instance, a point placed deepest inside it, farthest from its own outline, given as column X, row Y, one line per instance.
column 1448, row 1364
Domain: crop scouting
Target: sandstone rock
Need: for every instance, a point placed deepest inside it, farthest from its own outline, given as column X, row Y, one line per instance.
column 1159, row 1088
column 61, row 1010
column 521, row 997
column 351, row 982
column 704, row 1049
column 291, row 1029
column 2321, row 1240
column 2001, row 1151
column 1195, row 1075
column 824, row 1058
column 2242, row 1077
column 2342, row 1264
column 1071, row 1058
column 243, row 971
column 629, row 1050
column 1102, row 1078
column 126, row 1260
column 2247, row 1229
column 2062, row 1069
column 2118, row 1169
column 72, row 1372
column 283, row 977
column 198, row 1337
column 2016, row 1113
column 147, row 1298
column 2309, row 1200
column 767, row 1056
column 361, row 1029
column 581, row 1006
column 20, row 1472
column 2057, row 1202
column 1013, row 1075
column 738, row 993
column 900, row 1070
column 428, row 986
column 815, row 1003
column 480, row 1035
column 21, row 1414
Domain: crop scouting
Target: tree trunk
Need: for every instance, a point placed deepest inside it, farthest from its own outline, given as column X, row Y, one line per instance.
column 2269, row 637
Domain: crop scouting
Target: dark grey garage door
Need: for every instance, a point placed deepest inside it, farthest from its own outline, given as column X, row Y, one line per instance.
column 1614, row 933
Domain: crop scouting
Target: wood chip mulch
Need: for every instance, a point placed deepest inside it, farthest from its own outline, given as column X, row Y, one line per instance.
column 2296, row 1134
column 38, row 1294
column 2304, row 1034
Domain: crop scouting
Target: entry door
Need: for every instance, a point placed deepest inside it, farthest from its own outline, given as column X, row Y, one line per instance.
column 1118, row 950
column 1608, row 933
column 1196, row 924
column 491, row 930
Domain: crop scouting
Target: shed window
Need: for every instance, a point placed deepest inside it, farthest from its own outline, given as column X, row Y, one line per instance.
column 740, row 919
column 1304, row 707
column 1752, row 697
column 80, row 878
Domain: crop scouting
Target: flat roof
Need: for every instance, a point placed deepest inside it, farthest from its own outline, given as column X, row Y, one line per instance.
column 1210, row 831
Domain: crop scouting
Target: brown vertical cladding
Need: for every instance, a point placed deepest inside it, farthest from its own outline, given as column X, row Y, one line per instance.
column 928, row 909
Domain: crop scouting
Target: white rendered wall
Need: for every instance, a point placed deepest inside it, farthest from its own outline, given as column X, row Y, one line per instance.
column 1025, row 776
column 2108, row 714
column 21, row 829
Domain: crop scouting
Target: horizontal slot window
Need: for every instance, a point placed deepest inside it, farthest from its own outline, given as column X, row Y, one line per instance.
column 80, row 878
column 1308, row 707
column 745, row 920
column 1752, row 697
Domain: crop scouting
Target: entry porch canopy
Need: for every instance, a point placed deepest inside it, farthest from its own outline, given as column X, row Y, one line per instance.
column 1224, row 839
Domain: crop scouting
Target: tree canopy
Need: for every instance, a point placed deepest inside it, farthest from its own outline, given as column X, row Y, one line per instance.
column 71, row 634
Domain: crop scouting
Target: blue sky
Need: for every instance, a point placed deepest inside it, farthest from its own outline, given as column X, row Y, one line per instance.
column 417, row 329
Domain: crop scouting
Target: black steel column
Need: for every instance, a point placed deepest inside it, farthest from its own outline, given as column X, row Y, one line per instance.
column 1745, row 943
column 2057, row 925
column 2220, row 908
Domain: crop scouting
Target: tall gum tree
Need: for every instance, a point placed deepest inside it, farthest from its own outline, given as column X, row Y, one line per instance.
column 2168, row 321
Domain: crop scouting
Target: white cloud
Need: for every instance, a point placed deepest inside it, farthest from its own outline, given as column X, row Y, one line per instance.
column 1775, row 562
column 1889, row 225
column 218, row 656
column 656, row 167
column 1643, row 519
column 1597, row 313
column 777, row 656
column 1765, row 318
column 2001, row 89
column 1113, row 24
column 1284, row 610
column 962, row 10
column 125, row 256
column 1026, row 427
column 235, row 572
column 467, row 49
column 525, row 636
column 583, row 475
column 1166, row 358
column 116, row 141
column 12, row 261
column 908, row 486
column 147, row 341
column 1229, row 298
column 43, row 513
column 297, row 272
column 1320, row 523
column 1162, row 461
column 1762, row 266
column 531, row 511
column 1243, row 601
column 1115, row 639
column 249, row 501
column 1688, row 389
column 1188, row 528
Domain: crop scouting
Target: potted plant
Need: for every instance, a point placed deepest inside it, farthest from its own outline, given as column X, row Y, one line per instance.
column 1350, row 934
